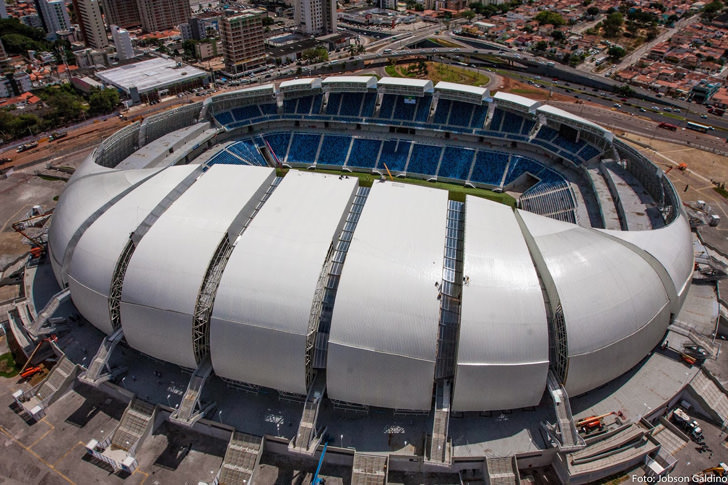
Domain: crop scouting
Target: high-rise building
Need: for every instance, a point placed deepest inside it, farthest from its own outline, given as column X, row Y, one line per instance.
column 91, row 22
column 123, row 13
column 241, row 33
column 53, row 15
column 159, row 15
column 315, row 16
column 3, row 10
column 122, row 42
column 32, row 21
column 198, row 28
column 185, row 31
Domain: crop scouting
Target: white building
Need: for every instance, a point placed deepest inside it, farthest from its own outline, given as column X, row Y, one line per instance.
column 92, row 24
column 315, row 16
column 122, row 42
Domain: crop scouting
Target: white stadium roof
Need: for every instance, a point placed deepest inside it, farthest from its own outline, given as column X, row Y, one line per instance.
column 385, row 322
column 263, row 305
column 502, row 304
column 98, row 250
column 159, row 293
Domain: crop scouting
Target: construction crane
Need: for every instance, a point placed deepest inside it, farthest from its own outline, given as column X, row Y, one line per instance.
column 316, row 479
column 591, row 423
column 37, row 220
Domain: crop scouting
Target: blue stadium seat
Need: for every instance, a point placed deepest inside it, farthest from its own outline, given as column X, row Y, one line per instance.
column 224, row 118
column 333, row 150
column 279, row 143
column 394, row 155
column 289, row 105
column 303, row 148
column 424, row 160
column 456, row 163
column 364, row 153
column 527, row 126
column 317, row 101
column 521, row 165
column 588, row 152
column 460, row 114
column 479, row 114
column 351, row 104
column 224, row 157
column 248, row 153
column 404, row 108
column 246, row 112
column 547, row 134
column 370, row 100
column 385, row 110
column 269, row 108
column 304, row 105
column 442, row 111
column 423, row 108
column 489, row 167
column 332, row 108
column 512, row 123
column 495, row 122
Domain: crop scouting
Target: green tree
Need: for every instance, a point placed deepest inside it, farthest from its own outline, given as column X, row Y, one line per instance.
column 711, row 10
column 541, row 46
column 102, row 101
column 613, row 24
column 548, row 17
column 616, row 52
column 268, row 21
column 592, row 11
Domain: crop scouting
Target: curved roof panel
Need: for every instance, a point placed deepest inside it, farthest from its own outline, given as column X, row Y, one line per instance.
column 261, row 315
column 98, row 250
column 503, row 352
column 607, row 291
column 82, row 199
column 385, row 321
column 167, row 269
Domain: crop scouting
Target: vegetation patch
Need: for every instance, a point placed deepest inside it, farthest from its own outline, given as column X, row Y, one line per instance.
column 436, row 72
column 8, row 367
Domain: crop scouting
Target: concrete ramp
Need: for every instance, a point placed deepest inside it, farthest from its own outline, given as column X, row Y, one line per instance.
column 502, row 471
column 710, row 396
column 241, row 459
column 369, row 469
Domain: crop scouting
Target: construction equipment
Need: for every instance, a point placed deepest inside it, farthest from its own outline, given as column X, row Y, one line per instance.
column 715, row 471
column 316, row 479
column 31, row 371
column 36, row 220
column 594, row 423
column 690, row 426
column 682, row 167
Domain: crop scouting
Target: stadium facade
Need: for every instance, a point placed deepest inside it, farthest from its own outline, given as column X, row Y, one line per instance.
column 180, row 232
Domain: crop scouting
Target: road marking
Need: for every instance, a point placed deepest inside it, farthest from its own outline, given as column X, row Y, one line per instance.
column 36, row 455
column 146, row 475
column 67, row 452
column 41, row 437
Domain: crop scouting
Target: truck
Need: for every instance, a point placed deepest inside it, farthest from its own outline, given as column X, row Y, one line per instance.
column 27, row 146
column 56, row 135
column 690, row 426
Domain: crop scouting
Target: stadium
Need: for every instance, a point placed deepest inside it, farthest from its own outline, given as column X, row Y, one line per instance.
column 236, row 236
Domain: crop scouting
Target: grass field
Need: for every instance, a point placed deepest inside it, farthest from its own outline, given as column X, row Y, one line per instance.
column 436, row 72
column 8, row 367
column 455, row 191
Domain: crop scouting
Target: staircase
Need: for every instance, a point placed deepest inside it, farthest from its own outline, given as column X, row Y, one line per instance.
column 57, row 300
column 307, row 439
column 100, row 362
column 58, row 376
column 710, row 396
column 567, row 434
column 188, row 413
column 369, row 469
column 134, row 425
column 241, row 459
column 502, row 471
column 439, row 445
